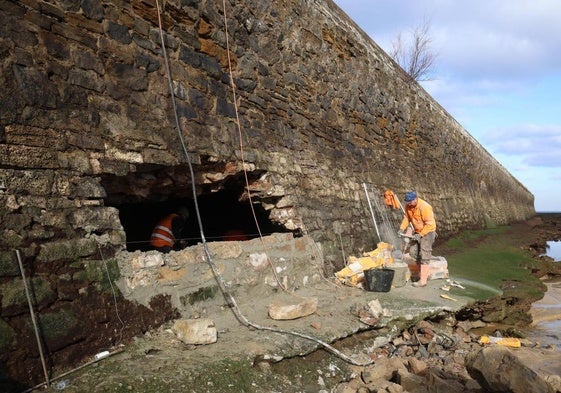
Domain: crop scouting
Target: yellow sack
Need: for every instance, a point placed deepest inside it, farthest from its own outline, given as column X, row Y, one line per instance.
column 382, row 253
column 511, row 342
column 353, row 273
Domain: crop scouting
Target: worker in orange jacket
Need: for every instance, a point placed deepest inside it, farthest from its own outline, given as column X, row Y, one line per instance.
column 419, row 214
column 166, row 235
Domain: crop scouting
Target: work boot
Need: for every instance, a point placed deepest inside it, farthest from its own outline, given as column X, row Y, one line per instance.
column 423, row 275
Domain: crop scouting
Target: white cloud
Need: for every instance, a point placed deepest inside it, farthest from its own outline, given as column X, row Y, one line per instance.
column 497, row 73
column 496, row 38
column 537, row 146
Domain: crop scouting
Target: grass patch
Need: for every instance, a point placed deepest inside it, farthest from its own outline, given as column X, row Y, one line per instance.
column 228, row 376
column 466, row 238
column 487, row 258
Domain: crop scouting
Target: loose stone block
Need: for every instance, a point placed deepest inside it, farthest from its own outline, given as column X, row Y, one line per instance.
column 294, row 310
column 195, row 331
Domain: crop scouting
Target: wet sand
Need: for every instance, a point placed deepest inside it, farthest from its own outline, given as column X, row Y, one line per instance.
column 549, row 307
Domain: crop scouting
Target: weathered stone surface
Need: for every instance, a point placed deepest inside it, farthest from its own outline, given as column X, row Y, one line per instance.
column 14, row 298
column 7, row 336
column 66, row 250
column 382, row 386
column 30, row 82
column 258, row 261
column 8, row 264
column 139, row 261
column 195, row 331
column 225, row 250
column 60, row 328
column 85, row 97
column 384, row 369
column 168, row 275
column 497, row 369
column 417, row 366
column 296, row 309
column 412, row 383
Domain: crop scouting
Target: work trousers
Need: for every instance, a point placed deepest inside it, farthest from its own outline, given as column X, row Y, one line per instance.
column 425, row 248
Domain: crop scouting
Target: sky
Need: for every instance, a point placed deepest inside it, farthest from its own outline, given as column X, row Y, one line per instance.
column 497, row 72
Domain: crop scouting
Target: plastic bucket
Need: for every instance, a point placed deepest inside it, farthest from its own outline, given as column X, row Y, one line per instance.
column 378, row 280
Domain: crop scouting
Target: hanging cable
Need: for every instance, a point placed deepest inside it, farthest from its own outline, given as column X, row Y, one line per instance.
column 178, row 126
column 240, row 137
column 220, row 280
column 113, row 292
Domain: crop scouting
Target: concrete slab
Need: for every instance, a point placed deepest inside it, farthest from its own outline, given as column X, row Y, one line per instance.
column 244, row 328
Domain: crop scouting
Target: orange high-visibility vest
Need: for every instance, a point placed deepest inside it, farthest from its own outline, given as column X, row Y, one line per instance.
column 421, row 216
column 162, row 235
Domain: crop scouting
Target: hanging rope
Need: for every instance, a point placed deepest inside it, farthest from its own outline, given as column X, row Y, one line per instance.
column 220, row 280
column 242, row 154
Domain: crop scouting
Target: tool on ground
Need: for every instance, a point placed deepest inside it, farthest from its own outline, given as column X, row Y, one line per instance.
column 456, row 284
column 447, row 297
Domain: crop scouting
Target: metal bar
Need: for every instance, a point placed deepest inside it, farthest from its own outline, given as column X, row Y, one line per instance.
column 402, row 209
column 371, row 211
column 33, row 318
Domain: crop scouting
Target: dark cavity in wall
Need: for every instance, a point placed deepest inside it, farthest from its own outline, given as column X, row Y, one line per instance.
column 152, row 191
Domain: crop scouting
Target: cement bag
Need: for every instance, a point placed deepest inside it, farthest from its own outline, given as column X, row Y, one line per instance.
column 438, row 268
column 353, row 274
column 382, row 254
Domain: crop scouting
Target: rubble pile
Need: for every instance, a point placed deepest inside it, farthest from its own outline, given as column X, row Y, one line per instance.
column 449, row 356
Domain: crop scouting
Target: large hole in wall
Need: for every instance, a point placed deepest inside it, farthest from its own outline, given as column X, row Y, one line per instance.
column 152, row 191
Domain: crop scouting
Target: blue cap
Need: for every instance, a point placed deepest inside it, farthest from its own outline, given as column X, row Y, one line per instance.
column 410, row 196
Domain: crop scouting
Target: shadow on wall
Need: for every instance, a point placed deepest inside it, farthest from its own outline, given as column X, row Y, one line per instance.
column 151, row 192
column 7, row 384
column 223, row 217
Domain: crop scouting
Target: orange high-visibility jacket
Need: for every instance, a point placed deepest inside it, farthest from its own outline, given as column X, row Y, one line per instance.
column 421, row 216
column 162, row 235
column 390, row 199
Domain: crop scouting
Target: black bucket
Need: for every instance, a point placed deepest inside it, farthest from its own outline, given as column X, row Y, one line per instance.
column 378, row 280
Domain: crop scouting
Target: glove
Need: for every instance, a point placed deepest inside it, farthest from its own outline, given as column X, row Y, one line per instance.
column 417, row 237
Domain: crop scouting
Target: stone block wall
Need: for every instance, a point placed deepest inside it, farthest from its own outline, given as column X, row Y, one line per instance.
column 322, row 110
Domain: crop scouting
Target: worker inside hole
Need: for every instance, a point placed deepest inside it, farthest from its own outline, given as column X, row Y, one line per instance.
column 234, row 235
column 420, row 215
column 166, row 235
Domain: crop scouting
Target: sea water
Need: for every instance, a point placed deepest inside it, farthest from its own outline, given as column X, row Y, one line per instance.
column 553, row 250
column 547, row 332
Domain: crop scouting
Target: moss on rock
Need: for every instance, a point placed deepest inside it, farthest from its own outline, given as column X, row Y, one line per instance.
column 7, row 336
column 14, row 297
column 8, row 264
column 67, row 250
column 200, row 295
column 99, row 272
column 56, row 326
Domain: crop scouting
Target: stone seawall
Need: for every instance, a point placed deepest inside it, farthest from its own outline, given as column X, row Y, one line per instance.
column 87, row 128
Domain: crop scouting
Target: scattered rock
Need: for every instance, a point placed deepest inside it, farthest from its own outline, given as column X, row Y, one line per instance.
column 497, row 369
column 195, row 331
column 384, row 369
column 305, row 307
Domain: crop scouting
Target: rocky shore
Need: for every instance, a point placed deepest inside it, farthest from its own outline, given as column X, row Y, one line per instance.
column 443, row 353
column 448, row 355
